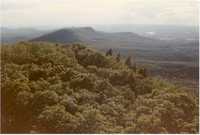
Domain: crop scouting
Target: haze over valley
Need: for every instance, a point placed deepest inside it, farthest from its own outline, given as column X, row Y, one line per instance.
column 100, row 66
column 165, row 58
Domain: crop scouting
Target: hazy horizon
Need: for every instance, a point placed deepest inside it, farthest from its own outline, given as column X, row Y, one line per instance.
column 78, row 13
column 97, row 27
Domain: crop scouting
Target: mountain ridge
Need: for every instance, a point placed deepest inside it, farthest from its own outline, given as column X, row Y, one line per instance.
column 90, row 36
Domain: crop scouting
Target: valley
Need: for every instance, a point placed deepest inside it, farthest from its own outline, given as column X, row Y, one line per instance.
column 176, row 60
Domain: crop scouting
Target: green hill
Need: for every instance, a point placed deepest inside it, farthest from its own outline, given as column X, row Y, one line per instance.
column 50, row 88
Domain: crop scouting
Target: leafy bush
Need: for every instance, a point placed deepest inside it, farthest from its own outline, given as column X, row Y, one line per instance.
column 82, row 81
column 47, row 88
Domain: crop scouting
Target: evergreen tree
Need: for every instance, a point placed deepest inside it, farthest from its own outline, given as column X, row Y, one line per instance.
column 109, row 52
column 134, row 67
column 128, row 61
column 118, row 57
column 143, row 72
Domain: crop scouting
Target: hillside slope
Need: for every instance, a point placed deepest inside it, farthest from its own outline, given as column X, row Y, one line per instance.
column 98, row 39
column 50, row 88
column 60, row 36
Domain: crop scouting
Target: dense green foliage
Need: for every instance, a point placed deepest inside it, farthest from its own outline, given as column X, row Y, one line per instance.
column 49, row 88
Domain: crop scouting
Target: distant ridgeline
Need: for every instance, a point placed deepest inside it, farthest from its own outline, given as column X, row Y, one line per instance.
column 50, row 88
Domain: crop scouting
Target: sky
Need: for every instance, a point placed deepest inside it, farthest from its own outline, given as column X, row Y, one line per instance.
column 58, row 13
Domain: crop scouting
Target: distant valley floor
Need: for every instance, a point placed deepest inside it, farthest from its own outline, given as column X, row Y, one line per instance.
column 177, row 68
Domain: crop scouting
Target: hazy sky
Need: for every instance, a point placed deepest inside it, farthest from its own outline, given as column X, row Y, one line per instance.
column 28, row 13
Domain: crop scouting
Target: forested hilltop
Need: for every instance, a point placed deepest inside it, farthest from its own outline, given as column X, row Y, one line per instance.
column 51, row 88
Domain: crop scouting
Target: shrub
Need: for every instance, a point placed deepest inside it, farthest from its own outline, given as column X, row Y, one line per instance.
column 44, row 98
column 56, row 119
column 82, row 81
column 47, row 88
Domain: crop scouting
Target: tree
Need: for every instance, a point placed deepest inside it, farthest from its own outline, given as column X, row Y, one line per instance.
column 92, row 121
column 55, row 119
column 42, row 99
column 118, row 57
column 134, row 67
column 54, row 89
column 131, row 64
column 143, row 72
column 109, row 52
column 128, row 61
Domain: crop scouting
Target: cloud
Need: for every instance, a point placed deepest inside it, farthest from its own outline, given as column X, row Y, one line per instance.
column 88, row 12
column 163, row 12
column 15, row 5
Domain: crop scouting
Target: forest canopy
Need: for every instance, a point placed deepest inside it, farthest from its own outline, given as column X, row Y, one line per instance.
column 51, row 88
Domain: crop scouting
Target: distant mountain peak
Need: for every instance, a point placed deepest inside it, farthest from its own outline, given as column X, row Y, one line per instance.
column 65, row 35
column 97, row 39
column 88, row 28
